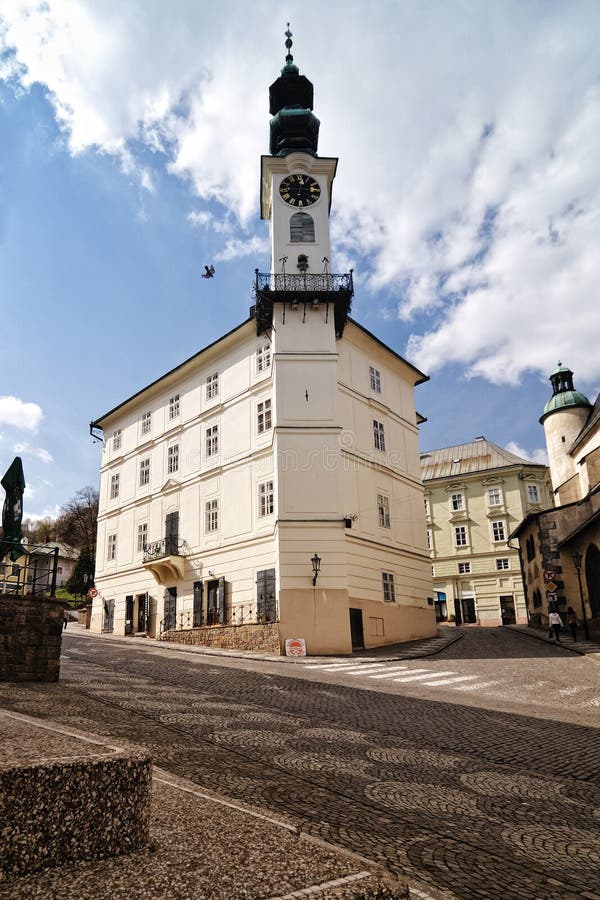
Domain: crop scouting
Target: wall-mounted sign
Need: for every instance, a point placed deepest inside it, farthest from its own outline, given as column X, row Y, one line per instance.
column 295, row 647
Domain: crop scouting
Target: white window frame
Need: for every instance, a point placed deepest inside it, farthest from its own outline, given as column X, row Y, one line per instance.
column 142, row 537
column 500, row 564
column 117, row 439
column 375, row 379
column 427, row 503
column 457, row 501
column 212, row 440
column 533, row 489
column 266, row 499
column 379, row 435
column 111, row 547
column 211, row 515
column 147, row 422
column 144, row 471
column 429, row 533
column 464, row 568
column 383, row 511
column 174, row 407
column 173, row 459
column 263, row 358
column 461, row 531
column 389, row 587
column 264, row 420
column 493, row 493
column 115, row 485
column 498, row 530
column 212, row 386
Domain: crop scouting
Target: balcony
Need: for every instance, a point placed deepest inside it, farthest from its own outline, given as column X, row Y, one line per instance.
column 302, row 290
column 166, row 560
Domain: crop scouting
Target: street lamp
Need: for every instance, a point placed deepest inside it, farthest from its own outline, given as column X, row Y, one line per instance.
column 316, row 567
column 577, row 559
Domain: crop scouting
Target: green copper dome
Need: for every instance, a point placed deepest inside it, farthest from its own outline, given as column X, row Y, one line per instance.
column 294, row 126
column 564, row 394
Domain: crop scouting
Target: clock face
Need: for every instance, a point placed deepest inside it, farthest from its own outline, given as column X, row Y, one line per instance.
column 299, row 191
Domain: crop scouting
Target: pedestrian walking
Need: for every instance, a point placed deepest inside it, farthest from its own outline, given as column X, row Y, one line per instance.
column 65, row 621
column 556, row 625
column 572, row 622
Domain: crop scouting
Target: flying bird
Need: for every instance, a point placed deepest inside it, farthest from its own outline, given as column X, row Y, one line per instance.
column 210, row 272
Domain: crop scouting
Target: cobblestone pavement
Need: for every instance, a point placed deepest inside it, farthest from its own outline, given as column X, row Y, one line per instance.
column 473, row 802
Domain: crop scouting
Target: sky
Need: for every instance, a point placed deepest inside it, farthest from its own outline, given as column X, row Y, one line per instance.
column 467, row 201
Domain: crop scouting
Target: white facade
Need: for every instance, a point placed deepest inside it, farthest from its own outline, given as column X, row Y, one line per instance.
column 293, row 435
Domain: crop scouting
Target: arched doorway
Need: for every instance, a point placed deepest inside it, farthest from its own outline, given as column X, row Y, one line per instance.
column 592, row 578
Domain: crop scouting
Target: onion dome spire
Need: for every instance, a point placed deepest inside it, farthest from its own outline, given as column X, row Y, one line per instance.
column 293, row 126
column 564, row 395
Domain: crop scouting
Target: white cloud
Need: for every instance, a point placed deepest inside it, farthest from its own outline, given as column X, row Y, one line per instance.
column 49, row 512
column 468, row 136
column 536, row 456
column 28, row 450
column 19, row 414
column 239, row 247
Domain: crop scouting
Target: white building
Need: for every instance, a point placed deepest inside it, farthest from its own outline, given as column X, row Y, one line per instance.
column 269, row 487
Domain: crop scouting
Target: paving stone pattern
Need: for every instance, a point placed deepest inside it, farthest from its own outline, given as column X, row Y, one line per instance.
column 447, row 795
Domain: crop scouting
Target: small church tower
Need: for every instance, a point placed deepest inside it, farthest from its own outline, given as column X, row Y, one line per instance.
column 564, row 416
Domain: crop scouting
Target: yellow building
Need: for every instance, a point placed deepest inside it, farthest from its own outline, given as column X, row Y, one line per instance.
column 475, row 494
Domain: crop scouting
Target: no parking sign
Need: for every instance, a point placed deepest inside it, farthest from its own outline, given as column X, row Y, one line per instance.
column 295, row 647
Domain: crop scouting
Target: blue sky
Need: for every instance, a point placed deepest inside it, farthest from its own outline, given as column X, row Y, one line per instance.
column 467, row 201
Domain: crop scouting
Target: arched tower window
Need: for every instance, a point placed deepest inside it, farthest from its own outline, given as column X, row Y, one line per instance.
column 302, row 228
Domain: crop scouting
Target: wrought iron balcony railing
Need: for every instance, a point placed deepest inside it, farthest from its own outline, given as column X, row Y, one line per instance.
column 302, row 290
column 325, row 283
column 167, row 547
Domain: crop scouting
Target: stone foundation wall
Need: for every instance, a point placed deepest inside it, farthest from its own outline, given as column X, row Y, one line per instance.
column 30, row 638
column 260, row 638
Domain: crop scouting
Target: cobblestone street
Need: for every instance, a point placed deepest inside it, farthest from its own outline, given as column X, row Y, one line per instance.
column 464, row 801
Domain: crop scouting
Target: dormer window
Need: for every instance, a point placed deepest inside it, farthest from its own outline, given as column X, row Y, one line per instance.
column 302, row 228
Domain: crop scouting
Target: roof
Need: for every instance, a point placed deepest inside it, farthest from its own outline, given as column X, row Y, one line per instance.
column 565, row 400
column 479, row 455
column 65, row 551
column 593, row 420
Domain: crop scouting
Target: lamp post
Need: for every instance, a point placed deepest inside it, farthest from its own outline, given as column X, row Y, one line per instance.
column 577, row 559
column 316, row 567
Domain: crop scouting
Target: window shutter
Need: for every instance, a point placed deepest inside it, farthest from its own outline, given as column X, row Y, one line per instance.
column 221, row 601
column 171, row 532
column 266, row 607
column 198, row 599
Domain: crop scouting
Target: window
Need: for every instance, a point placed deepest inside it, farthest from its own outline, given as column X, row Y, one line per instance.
column 502, row 563
column 111, row 550
column 427, row 506
column 212, row 440
column 114, row 486
column 263, row 358
column 302, row 228
column 173, row 459
column 464, row 568
column 266, row 500
column 212, row 515
column 498, row 531
column 429, row 539
column 389, row 591
column 173, row 406
column 212, row 386
column 460, row 536
column 266, row 605
column 142, row 537
column 375, row 379
column 263, row 415
column 383, row 510
column 378, row 435
column 533, row 494
column 147, row 423
column 145, row 471
column 530, row 544
column 457, row 502
column 494, row 496
column 116, row 439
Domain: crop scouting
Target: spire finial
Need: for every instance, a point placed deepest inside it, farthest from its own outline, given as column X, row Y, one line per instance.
column 289, row 58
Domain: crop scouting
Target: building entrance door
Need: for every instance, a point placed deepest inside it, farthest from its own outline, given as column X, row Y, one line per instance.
column 356, row 629
column 507, row 610
column 170, row 614
column 469, row 613
column 142, row 617
column 129, row 614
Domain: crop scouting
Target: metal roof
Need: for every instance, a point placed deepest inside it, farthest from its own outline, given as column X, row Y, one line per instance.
column 465, row 459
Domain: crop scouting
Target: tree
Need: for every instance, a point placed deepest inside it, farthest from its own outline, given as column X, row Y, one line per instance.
column 82, row 578
column 77, row 522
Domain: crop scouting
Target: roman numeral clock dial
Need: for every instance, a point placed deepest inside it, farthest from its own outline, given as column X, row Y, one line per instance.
column 299, row 190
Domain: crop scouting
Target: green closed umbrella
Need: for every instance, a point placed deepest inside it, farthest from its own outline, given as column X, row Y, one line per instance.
column 12, row 511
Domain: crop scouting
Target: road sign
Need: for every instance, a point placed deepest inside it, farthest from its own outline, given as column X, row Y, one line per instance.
column 551, row 588
column 549, row 575
column 92, row 593
column 295, row 647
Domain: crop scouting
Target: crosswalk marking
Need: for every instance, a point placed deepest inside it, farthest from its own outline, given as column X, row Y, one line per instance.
column 475, row 687
column 389, row 673
column 349, row 667
column 445, row 681
column 428, row 674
